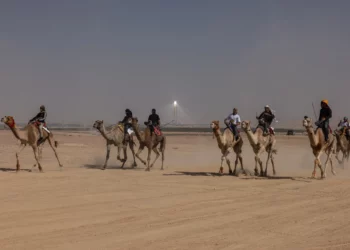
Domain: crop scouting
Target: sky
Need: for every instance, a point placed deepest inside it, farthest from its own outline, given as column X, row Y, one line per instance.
column 87, row 60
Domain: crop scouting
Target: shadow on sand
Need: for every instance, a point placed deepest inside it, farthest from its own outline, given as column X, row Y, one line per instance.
column 99, row 167
column 14, row 170
column 242, row 177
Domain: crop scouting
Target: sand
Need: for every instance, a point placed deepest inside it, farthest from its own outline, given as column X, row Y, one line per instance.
column 183, row 207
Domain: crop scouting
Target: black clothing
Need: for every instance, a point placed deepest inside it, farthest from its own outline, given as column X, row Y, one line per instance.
column 126, row 121
column 325, row 113
column 154, row 119
column 40, row 117
column 267, row 116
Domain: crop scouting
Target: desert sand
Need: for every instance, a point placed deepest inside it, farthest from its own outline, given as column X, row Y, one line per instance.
column 186, row 206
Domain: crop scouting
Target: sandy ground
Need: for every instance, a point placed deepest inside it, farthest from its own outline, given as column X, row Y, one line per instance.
column 182, row 207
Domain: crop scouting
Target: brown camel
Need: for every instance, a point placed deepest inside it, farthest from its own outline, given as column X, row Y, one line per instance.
column 319, row 146
column 261, row 144
column 30, row 135
column 226, row 144
column 115, row 137
column 149, row 141
column 343, row 145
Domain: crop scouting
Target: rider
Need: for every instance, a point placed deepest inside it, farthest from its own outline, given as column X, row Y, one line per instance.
column 232, row 121
column 127, row 122
column 267, row 116
column 40, row 118
column 344, row 124
column 323, row 120
column 153, row 120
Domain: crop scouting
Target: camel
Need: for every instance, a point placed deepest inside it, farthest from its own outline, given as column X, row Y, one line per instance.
column 261, row 144
column 319, row 146
column 30, row 137
column 150, row 142
column 342, row 145
column 226, row 144
column 115, row 137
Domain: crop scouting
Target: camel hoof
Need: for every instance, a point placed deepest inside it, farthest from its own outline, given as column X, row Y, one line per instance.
column 230, row 171
column 162, row 169
column 147, row 169
column 221, row 170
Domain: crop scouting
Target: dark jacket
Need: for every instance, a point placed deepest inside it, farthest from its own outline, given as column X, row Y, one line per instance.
column 268, row 117
column 325, row 113
column 154, row 119
column 40, row 117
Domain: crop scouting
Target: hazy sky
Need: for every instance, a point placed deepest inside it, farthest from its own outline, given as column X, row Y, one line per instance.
column 88, row 60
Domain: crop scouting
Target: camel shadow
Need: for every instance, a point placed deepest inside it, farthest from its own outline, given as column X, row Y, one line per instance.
column 242, row 177
column 213, row 174
column 99, row 167
column 14, row 170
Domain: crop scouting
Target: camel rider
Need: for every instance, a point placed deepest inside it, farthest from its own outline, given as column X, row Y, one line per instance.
column 40, row 118
column 267, row 117
column 232, row 121
column 323, row 120
column 127, row 122
column 345, row 125
column 153, row 120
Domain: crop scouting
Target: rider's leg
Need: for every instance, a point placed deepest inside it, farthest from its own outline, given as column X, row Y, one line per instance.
column 325, row 130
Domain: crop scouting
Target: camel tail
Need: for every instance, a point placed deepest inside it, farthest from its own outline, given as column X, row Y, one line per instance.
column 56, row 144
column 274, row 151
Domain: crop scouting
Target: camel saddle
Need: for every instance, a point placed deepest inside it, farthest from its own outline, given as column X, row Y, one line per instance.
column 157, row 131
column 37, row 124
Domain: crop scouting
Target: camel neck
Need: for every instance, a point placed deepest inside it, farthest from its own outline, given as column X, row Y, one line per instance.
column 137, row 132
column 104, row 133
column 218, row 136
column 312, row 137
column 252, row 138
column 15, row 133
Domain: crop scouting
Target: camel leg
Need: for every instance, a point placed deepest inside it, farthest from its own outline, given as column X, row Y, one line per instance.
column 40, row 149
column 162, row 151
column 332, row 167
column 273, row 164
column 125, row 157
column 21, row 147
column 107, row 156
column 260, row 164
column 337, row 156
column 256, row 172
column 118, row 155
column 267, row 162
column 148, row 158
column 138, row 154
column 240, row 158
column 131, row 145
column 319, row 164
column 36, row 155
column 236, row 163
column 155, row 150
column 54, row 150
column 221, row 170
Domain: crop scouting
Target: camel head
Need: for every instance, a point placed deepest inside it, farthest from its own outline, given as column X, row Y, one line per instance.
column 214, row 125
column 98, row 125
column 134, row 121
column 245, row 125
column 307, row 122
column 9, row 121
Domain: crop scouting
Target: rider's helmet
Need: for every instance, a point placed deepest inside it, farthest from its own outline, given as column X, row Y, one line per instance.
column 345, row 119
column 42, row 108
